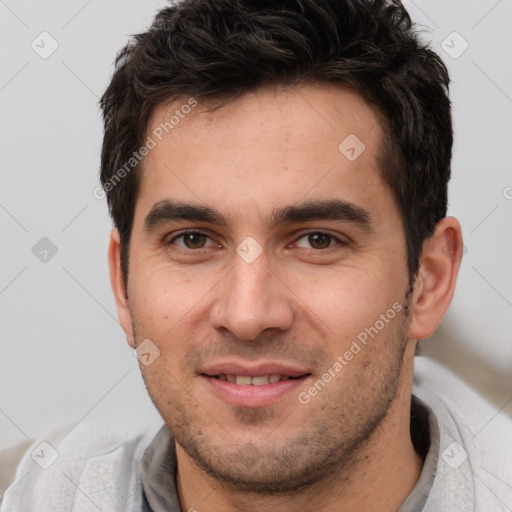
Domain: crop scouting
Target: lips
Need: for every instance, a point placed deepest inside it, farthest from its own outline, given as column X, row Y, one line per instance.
column 254, row 370
column 247, row 380
column 253, row 384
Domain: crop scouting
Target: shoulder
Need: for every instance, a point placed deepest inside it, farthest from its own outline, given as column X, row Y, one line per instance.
column 73, row 465
column 475, row 445
column 9, row 460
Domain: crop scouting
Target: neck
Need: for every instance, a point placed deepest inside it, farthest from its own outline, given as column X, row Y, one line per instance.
column 382, row 474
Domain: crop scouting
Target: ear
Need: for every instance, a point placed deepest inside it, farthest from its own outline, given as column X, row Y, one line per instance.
column 118, row 287
column 437, row 275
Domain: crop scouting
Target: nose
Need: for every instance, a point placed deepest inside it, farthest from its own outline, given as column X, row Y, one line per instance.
column 250, row 299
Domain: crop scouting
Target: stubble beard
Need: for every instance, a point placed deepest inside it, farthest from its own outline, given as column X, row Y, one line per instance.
column 325, row 448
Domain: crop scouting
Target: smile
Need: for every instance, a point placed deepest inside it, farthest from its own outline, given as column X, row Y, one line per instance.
column 247, row 380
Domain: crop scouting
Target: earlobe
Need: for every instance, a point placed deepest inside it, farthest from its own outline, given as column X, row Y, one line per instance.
column 437, row 276
column 118, row 286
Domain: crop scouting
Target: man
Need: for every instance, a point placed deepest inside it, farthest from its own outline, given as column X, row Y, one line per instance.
column 277, row 176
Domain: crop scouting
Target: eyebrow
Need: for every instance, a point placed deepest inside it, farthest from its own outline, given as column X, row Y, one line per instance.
column 335, row 209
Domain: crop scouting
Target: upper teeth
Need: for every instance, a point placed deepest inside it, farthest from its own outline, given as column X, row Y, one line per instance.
column 245, row 380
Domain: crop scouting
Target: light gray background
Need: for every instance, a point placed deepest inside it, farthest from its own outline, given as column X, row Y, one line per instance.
column 63, row 356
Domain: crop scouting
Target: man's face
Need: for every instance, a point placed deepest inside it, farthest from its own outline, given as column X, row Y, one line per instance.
column 257, row 294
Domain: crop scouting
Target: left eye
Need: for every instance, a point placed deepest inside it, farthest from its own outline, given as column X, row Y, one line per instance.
column 318, row 240
column 191, row 240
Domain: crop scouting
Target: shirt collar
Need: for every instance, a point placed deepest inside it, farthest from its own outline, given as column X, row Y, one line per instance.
column 426, row 437
column 158, row 468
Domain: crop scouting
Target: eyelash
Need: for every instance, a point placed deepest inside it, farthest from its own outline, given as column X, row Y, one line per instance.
column 340, row 242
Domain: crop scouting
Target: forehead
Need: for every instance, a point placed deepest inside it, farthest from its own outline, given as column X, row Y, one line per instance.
column 263, row 149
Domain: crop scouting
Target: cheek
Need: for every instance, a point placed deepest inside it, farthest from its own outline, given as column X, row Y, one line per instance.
column 347, row 308
column 348, row 295
column 167, row 309
column 166, row 295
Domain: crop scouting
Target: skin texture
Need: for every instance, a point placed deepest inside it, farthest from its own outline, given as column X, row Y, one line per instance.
column 302, row 301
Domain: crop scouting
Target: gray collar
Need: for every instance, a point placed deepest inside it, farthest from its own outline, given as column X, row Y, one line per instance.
column 158, row 468
column 418, row 497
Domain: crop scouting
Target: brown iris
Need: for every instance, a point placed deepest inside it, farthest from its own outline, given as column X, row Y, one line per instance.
column 319, row 240
column 194, row 240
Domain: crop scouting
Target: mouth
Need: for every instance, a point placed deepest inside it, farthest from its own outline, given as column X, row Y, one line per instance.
column 258, row 385
column 247, row 380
